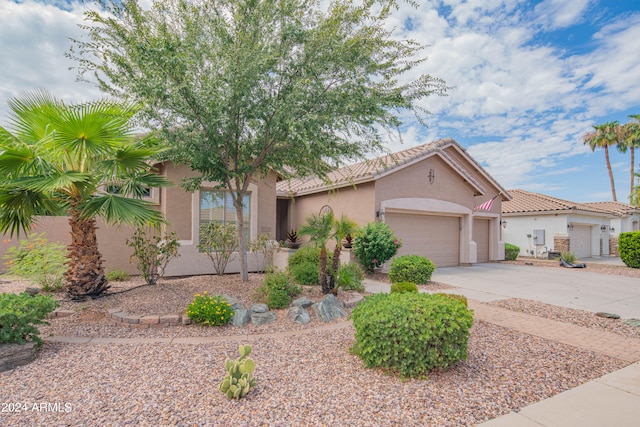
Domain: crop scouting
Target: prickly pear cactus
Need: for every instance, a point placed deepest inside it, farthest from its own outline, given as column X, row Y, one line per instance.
column 238, row 381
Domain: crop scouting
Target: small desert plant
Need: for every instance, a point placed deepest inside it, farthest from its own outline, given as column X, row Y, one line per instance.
column 266, row 247
column 375, row 244
column 411, row 333
column 238, row 381
column 219, row 242
column 570, row 257
column 276, row 291
column 210, row 310
column 629, row 248
column 350, row 277
column 411, row 268
column 39, row 261
column 293, row 239
column 117, row 276
column 20, row 313
column 403, row 287
column 511, row 252
column 152, row 253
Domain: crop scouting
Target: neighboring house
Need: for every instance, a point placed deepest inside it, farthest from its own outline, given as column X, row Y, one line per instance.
column 627, row 219
column 427, row 195
column 540, row 224
column 185, row 212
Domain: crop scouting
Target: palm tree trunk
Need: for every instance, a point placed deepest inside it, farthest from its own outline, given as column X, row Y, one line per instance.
column 633, row 175
column 322, row 270
column 85, row 274
column 613, row 186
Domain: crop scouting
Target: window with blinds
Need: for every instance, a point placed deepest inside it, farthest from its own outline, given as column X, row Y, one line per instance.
column 217, row 206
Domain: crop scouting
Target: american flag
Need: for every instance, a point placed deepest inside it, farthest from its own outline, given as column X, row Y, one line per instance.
column 486, row 206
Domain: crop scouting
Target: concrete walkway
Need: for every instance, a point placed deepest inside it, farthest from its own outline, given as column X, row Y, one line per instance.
column 611, row 400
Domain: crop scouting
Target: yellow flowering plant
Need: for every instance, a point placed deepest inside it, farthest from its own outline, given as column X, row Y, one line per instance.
column 211, row 310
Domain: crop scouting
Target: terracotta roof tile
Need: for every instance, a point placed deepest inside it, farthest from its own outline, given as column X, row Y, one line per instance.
column 525, row 201
column 617, row 208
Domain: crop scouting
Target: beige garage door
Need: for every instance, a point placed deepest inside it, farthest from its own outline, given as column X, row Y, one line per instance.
column 481, row 237
column 581, row 241
column 436, row 237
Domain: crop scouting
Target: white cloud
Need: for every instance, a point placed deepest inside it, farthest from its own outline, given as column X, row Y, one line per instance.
column 554, row 14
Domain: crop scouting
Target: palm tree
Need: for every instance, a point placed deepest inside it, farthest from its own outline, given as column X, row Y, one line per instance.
column 319, row 228
column 342, row 227
column 605, row 135
column 78, row 160
column 630, row 139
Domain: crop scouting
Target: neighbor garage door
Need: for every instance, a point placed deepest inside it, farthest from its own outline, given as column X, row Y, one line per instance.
column 436, row 237
column 581, row 241
column 481, row 237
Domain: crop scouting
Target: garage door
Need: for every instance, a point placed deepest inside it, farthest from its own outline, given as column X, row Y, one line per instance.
column 481, row 237
column 436, row 237
column 581, row 241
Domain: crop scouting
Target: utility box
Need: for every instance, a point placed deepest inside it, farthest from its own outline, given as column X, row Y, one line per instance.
column 538, row 237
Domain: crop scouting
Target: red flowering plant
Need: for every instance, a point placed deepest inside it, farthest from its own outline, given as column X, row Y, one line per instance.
column 375, row 244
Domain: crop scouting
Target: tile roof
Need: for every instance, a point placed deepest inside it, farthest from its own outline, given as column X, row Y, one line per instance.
column 370, row 170
column 528, row 202
column 617, row 208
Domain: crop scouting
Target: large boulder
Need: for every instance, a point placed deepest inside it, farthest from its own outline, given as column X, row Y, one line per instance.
column 298, row 315
column 329, row 308
column 263, row 318
column 303, row 302
column 241, row 317
column 259, row 308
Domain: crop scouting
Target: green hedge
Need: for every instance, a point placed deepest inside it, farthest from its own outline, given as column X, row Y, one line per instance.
column 511, row 252
column 411, row 333
column 411, row 268
column 303, row 265
column 629, row 248
column 402, row 287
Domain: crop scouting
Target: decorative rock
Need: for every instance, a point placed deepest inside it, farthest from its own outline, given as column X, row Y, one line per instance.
column 232, row 300
column 351, row 299
column 259, row 308
column 241, row 317
column 302, row 302
column 298, row 315
column 329, row 308
column 607, row 315
column 14, row 355
column 186, row 320
column 32, row 291
column 633, row 322
column 263, row 318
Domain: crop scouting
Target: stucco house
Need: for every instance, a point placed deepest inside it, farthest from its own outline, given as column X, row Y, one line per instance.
column 427, row 194
column 184, row 211
column 540, row 224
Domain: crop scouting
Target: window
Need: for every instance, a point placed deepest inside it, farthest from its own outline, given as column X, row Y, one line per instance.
column 217, row 206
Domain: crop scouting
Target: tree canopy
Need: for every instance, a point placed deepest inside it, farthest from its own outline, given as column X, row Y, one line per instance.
column 241, row 88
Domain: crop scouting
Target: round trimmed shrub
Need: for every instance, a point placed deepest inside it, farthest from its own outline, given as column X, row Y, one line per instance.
column 411, row 333
column 276, row 290
column 402, row 287
column 411, row 268
column 629, row 248
column 375, row 244
column 511, row 252
column 303, row 265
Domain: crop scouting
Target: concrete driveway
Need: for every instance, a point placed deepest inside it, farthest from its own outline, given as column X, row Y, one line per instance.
column 574, row 288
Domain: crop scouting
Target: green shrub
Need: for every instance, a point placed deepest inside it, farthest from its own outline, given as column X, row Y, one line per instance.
column 152, row 253
column 219, row 242
column 568, row 256
column 411, row 268
column 276, row 291
column 411, row 333
column 455, row 297
column 350, row 277
column 210, row 310
column 39, row 261
column 238, row 381
column 511, row 252
column 117, row 276
column 375, row 244
column 402, row 287
column 303, row 265
column 629, row 248
column 20, row 313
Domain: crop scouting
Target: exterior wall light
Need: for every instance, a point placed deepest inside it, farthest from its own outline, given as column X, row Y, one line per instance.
column 603, row 228
column 570, row 227
column 503, row 223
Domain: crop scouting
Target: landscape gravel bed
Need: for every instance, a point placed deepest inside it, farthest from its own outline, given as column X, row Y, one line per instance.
column 305, row 380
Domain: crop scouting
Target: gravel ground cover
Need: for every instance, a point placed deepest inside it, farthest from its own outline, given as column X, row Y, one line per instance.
column 307, row 379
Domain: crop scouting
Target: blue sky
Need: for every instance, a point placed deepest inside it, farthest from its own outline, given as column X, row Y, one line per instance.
column 528, row 79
